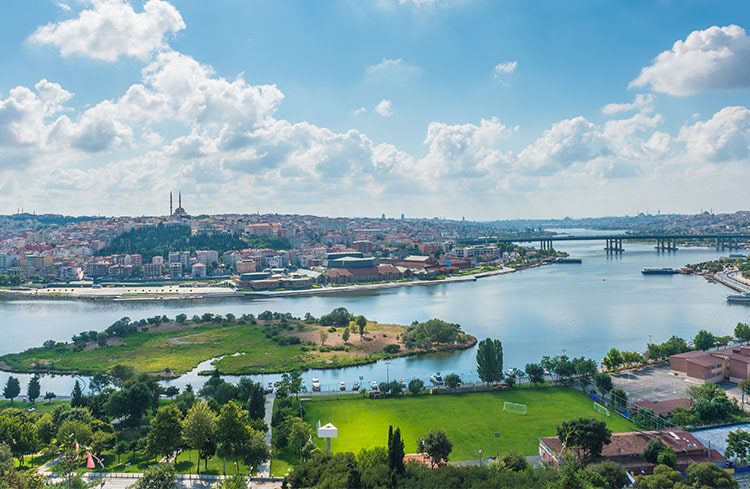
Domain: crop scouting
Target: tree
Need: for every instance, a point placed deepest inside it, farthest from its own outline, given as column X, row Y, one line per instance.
column 706, row 474
column 585, row 369
column 613, row 359
column 34, row 389
column 610, row 475
column 603, row 382
column 12, row 389
column 76, row 397
column 49, row 396
column 181, row 318
column 514, row 461
column 653, row 449
column 490, row 360
column 345, row 335
column 744, row 386
column 663, row 477
column 199, row 430
column 361, row 324
column 171, row 391
column 667, row 457
column 535, row 373
column 437, row 445
column 742, row 332
column 165, row 436
column 395, row 452
column 416, row 386
column 619, row 399
column 74, row 431
column 255, row 451
column 587, row 436
column 230, row 431
column 160, row 476
column 738, row 447
column 704, row 340
column 299, row 434
column 452, row 381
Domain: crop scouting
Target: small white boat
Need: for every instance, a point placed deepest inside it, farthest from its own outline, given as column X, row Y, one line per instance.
column 342, row 386
column 373, row 385
column 436, row 378
column 355, row 385
column 315, row 384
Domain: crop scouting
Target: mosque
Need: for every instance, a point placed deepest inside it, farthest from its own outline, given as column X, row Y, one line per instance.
column 179, row 212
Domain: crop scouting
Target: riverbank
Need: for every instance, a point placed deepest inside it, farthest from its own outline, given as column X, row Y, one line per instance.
column 271, row 343
column 176, row 292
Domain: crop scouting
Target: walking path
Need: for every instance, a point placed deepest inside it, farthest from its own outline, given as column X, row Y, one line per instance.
column 264, row 470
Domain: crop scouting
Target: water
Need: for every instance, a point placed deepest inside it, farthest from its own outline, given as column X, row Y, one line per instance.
column 576, row 309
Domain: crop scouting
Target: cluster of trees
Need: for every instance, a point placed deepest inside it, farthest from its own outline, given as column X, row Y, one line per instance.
column 710, row 405
column 159, row 240
column 424, row 335
column 222, row 419
column 10, row 280
column 697, row 476
column 290, row 431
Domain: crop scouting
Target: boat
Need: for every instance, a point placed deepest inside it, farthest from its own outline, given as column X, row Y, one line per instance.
column 373, row 385
column 739, row 298
column 659, row 271
column 315, row 384
column 436, row 378
column 342, row 386
column 568, row 260
column 355, row 385
column 737, row 255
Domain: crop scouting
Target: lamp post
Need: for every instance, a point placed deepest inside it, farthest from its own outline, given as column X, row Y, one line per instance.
column 497, row 444
column 480, row 457
column 387, row 375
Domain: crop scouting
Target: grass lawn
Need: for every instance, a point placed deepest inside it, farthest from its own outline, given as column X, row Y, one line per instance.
column 470, row 420
column 185, row 463
column 181, row 347
column 40, row 406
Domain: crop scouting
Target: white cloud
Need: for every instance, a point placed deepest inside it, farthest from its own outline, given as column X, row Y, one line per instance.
column 112, row 29
column 505, row 68
column 384, row 108
column 712, row 59
column 63, row 6
column 392, row 71
column 723, row 137
column 359, row 111
column 641, row 102
column 566, row 143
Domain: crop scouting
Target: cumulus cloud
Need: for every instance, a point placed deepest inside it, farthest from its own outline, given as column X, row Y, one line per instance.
column 111, row 29
column 712, row 59
column 723, row 137
column 567, row 142
column 392, row 71
column 384, row 108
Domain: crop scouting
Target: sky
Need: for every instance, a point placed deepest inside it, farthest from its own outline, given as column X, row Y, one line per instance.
column 483, row 109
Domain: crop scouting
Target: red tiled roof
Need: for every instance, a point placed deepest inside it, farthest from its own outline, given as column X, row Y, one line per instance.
column 665, row 407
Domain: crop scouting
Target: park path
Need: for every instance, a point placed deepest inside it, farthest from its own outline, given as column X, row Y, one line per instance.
column 264, row 469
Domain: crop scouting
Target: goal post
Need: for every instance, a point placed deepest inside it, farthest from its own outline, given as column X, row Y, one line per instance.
column 600, row 409
column 515, row 408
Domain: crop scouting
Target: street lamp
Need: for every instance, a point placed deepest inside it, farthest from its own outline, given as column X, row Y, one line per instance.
column 497, row 442
column 387, row 375
column 480, row 457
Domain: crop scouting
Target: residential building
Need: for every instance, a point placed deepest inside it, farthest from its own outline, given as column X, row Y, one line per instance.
column 198, row 270
column 207, row 257
column 153, row 270
column 627, row 449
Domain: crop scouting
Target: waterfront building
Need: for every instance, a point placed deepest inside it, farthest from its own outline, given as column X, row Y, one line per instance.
column 153, row 270
column 198, row 270
column 175, row 270
column 207, row 257
column 732, row 364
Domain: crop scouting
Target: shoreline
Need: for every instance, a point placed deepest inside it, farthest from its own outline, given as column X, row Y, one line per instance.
column 193, row 294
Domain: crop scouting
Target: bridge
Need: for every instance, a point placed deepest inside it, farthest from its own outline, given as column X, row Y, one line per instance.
column 613, row 243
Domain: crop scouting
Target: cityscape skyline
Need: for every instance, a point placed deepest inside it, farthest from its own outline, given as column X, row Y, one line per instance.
column 106, row 105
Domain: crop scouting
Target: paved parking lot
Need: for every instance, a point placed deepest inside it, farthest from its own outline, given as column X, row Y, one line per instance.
column 653, row 384
column 661, row 383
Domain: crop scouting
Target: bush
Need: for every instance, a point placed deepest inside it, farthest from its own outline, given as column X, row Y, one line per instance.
column 392, row 349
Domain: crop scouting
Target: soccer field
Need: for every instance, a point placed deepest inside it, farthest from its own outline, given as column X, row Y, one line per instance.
column 470, row 420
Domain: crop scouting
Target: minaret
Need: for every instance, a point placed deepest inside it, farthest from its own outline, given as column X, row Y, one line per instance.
column 179, row 200
column 170, row 202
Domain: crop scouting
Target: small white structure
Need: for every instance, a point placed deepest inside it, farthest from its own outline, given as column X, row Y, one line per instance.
column 328, row 431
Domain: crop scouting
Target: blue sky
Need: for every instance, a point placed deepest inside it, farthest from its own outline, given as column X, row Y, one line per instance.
column 375, row 106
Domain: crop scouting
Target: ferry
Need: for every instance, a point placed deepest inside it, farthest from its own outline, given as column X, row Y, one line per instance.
column 436, row 378
column 739, row 298
column 568, row 260
column 659, row 271
column 316, row 384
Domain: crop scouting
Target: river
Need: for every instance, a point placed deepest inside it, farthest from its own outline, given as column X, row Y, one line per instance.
column 576, row 309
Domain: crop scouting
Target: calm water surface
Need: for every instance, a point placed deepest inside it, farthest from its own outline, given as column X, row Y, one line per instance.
column 577, row 309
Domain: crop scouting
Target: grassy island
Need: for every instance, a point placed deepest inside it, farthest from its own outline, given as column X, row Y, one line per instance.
column 268, row 343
